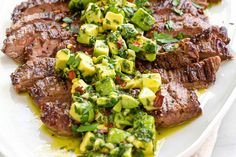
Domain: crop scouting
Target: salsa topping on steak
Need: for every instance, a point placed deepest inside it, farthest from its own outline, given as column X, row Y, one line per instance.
column 112, row 72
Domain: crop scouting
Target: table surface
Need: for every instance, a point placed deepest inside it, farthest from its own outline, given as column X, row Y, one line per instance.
column 226, row 142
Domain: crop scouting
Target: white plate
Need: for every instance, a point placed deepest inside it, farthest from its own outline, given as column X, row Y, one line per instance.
column 19, row 127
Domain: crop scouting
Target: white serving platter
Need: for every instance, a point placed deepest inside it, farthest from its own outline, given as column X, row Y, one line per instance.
column 20, row 134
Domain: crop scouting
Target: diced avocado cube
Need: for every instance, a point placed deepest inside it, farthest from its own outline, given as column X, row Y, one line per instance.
column 115, row 9
column 61, row 58
column 147, row 97
column 127, row 153
column 127, row 31
column 150, row 57
column 117, row 107
column 147, row 121
column 152, row 81
column 128, row 101
column 127, row 66
column 102, row 101
column 104, row 71
column 78, row 83
column 116, row 43
column 82, row 112
column 87, row 142
column 134, row 83
column 131, row 55
column 100, row 48
column 112, row 21
column 93, row 14
column 105, row 86
column 143, row 19
column 141, row 43
column 87, row 33
column 116, row 135
column 86, row 64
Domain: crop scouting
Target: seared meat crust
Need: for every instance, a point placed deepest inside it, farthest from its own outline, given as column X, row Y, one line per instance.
column 27, row 74
column 179, row 105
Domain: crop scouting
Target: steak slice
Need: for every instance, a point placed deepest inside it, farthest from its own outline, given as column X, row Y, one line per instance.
column 50, row 89
column 55, row 115
column 185, row 54
column 194, row 76
column 192, row 20
column 177, row 105
column 27, row 74
column 38, row 6
column 21, row 43
column 213, row 42
column 36, row 17
column 53, row 97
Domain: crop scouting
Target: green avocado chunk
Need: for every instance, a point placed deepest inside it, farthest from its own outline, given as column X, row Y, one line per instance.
column 147, row 97
column 101, row 48
column 143, row 19
column 87, row 33
column 93, row 14
column 117, row 135
column 61, row 58
column 128, row 101
column 105, row 86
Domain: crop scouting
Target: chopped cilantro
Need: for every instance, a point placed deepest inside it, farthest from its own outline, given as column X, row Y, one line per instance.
column 197, row 5
column 178, row 11
column 164, row 38
column 67, row 20
column 85, row 128
column 169, row 25
column 175, row 2
column 141, row 3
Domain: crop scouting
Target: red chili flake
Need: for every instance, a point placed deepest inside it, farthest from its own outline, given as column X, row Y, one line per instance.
column 131, row 1
column 158, row 101
column 103, row 131
column 71, row 74
column 119, row 44
column 80, row 90
column 110, row 125
column 136, row 43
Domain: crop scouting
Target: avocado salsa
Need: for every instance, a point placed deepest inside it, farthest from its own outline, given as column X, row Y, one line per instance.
column 111, row 99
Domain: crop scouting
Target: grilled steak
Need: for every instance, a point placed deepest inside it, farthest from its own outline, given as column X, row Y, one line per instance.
column 177, row 105
column 191, row 21
column 37, row 39
column 36, row 17
column 196, row 75
column 213, row 42
column 185, row 54
column 38, row 6
column 53, row 97
column 50, row 89
column 27, row 74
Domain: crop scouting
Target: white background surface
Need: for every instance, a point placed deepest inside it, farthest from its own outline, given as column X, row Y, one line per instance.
column 20, row 130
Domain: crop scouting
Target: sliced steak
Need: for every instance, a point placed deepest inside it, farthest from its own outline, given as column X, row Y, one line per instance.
column 47, row 38
column 36, row 17
column 38, row 6
column 185, row 54
column 53, row 97
column 55, row 115
column 191, row 21
column 177, row 105
column 213, row 42
column 27, row 74
column 50, row 89
column 194, row 76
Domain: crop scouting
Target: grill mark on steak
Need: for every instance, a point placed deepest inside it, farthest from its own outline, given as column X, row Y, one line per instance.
column 36, row 6
column 213, row 42
column 194, row 76
column 27, row 36
column 27, row 74
column 53, row 97
column 36, row 17
column 179, row 105
column 185, row 54
column 50, row 89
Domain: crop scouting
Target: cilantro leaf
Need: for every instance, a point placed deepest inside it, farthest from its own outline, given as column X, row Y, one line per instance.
column 164, row 38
